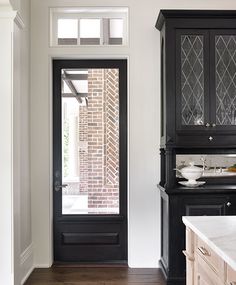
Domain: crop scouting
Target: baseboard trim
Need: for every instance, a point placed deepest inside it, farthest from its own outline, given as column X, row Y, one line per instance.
column 24, row 279
column 91, row 264
column 170, row 280
column 27, row 263
column 163, row 267
column 43, row 265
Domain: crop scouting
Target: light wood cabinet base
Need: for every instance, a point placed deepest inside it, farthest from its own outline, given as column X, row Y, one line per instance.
column 203, row 265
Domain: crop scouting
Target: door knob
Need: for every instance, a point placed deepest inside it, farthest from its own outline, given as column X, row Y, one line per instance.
column 228, row 204
column 59, row 187
column 210, row 138
column 207, row 125
column 213, row 125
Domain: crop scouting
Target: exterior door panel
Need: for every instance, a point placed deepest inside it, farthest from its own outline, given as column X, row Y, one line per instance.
column 90, row 160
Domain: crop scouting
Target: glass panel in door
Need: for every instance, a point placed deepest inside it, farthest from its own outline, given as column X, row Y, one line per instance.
column 225, row 77
column 192, row 80
column 90, row 141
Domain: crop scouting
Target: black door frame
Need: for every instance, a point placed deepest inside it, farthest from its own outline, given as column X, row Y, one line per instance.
column 121, row 218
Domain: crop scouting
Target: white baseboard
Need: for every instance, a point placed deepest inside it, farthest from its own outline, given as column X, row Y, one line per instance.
column 27, row 263
column 42, row 265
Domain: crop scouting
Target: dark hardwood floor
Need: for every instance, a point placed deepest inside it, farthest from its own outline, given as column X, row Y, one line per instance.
column 95, row 276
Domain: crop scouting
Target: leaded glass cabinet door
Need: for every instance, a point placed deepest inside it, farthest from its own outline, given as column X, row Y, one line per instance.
column 223, row 79
column 192, row 91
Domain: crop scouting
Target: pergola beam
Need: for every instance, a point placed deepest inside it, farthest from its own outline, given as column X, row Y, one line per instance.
column 75, row 76
column 71, row 87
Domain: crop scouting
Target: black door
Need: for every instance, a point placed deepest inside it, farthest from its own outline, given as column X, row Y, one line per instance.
column 222, row 80
column 192, row 80
column 90, row 160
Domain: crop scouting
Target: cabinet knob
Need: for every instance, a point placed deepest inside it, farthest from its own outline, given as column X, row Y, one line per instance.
column 210, row 138
column 207, row 125
column 213, row 125
column 228, row 204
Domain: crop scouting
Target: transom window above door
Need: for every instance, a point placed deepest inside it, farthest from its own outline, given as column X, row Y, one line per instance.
column 100, row 26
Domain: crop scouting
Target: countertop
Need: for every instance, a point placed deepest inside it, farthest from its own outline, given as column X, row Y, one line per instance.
column 219, row 232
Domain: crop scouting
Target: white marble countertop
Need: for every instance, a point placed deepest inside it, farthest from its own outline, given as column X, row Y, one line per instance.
column 219, row 232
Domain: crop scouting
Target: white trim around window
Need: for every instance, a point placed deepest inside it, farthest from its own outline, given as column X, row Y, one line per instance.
column 104, row 14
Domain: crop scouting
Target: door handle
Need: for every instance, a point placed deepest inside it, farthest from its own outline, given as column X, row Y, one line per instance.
column 59, row 187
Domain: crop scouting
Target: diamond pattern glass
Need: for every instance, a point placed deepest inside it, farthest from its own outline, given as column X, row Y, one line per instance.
column 192, row 80
column 225, row 59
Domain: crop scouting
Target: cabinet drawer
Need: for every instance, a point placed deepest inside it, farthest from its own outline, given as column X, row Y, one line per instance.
column 231, row 276
column 210, row 257
column 205, row 274
column 207, row 140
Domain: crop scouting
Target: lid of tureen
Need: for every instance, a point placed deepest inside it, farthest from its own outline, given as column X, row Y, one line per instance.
column 191, row 167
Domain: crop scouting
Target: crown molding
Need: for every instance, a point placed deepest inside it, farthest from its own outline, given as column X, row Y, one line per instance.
column 12, row 15
column 19, row 21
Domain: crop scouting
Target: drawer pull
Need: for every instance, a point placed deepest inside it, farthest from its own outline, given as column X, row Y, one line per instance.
column 188, row 256
column 203, row 251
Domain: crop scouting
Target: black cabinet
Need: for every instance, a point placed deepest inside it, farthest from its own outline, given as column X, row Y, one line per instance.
column 198, row 86
column 173, row 207
column 205, row 80
column 198, row 115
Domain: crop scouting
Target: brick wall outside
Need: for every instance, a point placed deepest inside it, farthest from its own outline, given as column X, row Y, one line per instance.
column 99, row 140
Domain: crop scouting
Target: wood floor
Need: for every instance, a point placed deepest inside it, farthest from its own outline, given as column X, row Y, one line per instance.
column 95, row 276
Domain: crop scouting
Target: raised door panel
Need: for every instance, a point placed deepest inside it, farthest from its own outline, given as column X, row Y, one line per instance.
column 207, row 206
column 164, row 229
column 192, row 79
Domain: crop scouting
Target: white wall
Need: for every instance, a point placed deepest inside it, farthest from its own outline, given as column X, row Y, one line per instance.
column 6, row 150
column 143, row 127
column 15, row 167
column 26, row 238
column 143, row 52
column 26, row 245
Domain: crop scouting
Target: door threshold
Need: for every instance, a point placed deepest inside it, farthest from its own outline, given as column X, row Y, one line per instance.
column 122, row 264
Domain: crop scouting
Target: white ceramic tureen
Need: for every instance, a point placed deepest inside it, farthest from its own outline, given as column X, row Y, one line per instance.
column 191, row 173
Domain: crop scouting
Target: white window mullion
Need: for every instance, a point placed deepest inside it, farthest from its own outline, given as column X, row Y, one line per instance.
column 106, row 32
column 101, row 32
column 78, row 40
